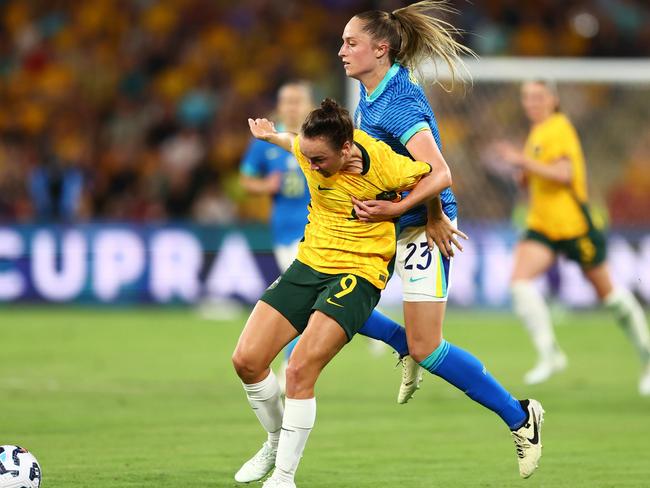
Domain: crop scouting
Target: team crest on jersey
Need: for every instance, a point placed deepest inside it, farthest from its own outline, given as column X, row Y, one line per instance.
column 272, row 153
column 537, row 151
column 292, row 163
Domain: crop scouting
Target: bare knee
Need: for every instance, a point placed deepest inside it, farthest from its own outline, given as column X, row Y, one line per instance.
column 248, row 369
column 423, row 349
column 301, row 379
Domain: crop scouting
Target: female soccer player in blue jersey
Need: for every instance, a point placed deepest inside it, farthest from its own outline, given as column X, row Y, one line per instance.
column 267, row 169
column 380, row 49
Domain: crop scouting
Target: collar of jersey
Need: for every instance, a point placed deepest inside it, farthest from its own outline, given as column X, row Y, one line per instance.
column 365, row 157
column 382, row 84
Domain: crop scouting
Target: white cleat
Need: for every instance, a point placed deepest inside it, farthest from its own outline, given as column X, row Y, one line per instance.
column 277, row 483
column 258, row 466
column 644, row 383
column 528, row 438
column 411, row 379
column 546, row 368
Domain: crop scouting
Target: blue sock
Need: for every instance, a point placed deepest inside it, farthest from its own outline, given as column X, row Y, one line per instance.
column 289, row 348
column 380, row 327
column 468, row 374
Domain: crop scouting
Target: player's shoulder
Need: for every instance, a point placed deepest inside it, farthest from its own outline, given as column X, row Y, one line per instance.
column 405, row 94
column 366, row 140
column 559, row 121
column 560, row 125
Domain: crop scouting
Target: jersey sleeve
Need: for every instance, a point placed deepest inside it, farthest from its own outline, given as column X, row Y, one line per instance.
column 402, row 173
column 571, row 143
column 254, row 163
column 406, row 117
column 295, row 150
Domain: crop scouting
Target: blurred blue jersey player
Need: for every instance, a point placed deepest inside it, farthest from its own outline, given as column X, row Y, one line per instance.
column 380, row 49
column 267, row 169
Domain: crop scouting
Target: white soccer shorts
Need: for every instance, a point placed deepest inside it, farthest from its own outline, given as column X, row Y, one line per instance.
column 424, row 273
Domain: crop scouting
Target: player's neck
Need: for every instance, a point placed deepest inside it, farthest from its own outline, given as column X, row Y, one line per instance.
column 354, row 163
column 372, row 80
column 541, row 120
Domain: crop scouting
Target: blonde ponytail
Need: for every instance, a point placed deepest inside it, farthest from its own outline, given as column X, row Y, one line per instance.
column 414, row 35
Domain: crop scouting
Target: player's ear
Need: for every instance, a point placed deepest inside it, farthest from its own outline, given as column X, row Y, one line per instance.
column 381, row 49
column 345, row 149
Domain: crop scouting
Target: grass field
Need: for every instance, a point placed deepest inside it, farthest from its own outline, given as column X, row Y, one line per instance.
column 148, row 398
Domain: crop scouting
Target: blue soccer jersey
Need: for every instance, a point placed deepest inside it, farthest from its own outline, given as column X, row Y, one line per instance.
column 395, row 111
column 289, row 213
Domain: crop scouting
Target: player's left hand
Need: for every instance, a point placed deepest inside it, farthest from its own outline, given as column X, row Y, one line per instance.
column 442, row 232
column 375, row 210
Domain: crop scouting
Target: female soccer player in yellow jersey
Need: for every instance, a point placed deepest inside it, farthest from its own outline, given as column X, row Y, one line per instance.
column 334, row 284
column 559, row 222
column 380, row 49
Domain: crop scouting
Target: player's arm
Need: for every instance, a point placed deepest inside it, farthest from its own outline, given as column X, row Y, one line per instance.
column 380, row 210
column 265, row 130
column 439, row 228
column 559, row 171
column 267, row 185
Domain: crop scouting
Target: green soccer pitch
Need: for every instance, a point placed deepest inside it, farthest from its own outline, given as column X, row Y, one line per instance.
column 148, row 398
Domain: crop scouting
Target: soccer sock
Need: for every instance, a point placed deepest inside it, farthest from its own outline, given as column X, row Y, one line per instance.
column 264, row 399
column 531, row 308
column 631, row 318
column 380, row 327
column 299, row 418
column 468, row 374
column 289, row 349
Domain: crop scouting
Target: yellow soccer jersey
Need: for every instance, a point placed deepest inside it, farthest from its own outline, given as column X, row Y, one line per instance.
column 335, row 240
column 555, row 208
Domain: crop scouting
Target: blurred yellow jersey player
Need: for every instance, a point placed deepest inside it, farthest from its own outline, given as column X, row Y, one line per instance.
column 557, row 210
column 335, row 241
column 559, row 224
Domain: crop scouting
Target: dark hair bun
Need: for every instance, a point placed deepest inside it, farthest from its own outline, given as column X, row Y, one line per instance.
column 329, row 105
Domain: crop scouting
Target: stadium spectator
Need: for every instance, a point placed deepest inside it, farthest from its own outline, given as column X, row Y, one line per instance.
column 123, row 65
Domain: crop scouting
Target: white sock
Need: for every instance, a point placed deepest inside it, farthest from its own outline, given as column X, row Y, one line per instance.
column 264, row 398
column 631, row 318
column 299, row 418
column 529, row 305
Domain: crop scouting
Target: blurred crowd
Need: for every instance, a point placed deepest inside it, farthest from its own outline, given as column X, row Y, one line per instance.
column 136, row 109
column 604, row 28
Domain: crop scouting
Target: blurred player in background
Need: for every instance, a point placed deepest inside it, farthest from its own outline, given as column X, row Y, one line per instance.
column 380, row 49
column 267, row 169
column 559, row 222
column 334, row 284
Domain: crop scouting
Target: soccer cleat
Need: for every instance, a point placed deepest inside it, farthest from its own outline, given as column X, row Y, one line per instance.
column 528, row 438
column 644, row 383
column 546, row 368
column 258, row 466
column 411, row 379
column 278, row 483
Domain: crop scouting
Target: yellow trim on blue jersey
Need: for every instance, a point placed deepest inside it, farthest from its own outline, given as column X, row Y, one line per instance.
column 382, row 84
column 420, row 126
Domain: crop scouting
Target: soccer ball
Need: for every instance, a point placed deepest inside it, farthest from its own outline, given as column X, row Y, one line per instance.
column 18, row 468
